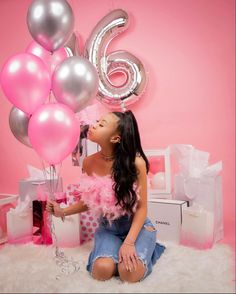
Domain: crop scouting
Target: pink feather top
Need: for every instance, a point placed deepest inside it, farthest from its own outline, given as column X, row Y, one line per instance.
column 98, row 194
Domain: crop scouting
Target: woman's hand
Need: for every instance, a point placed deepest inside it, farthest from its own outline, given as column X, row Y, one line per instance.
column 127, row 254
column 54, row 208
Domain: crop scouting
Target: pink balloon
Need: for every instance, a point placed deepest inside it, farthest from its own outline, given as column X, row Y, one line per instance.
column 25, row 81
column 51, row 60
column 158, row 181
column 53, row 132
column 157, row 164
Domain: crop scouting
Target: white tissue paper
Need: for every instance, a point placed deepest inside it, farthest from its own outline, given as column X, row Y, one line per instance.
column 38, row 180
column 192, row 162
column 193, row 167
column 20, row 222
column 38, row 174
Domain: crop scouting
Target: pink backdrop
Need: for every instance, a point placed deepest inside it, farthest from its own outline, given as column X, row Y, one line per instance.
column 188, row 50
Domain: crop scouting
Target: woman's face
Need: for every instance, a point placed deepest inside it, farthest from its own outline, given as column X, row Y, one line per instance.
column 104, row 130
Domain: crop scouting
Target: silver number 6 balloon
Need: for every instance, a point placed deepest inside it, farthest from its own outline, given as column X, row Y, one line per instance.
column 117, row 97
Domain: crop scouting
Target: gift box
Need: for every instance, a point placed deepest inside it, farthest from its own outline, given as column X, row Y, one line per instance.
column 7, row 201
column 67, row 232
column 159, row 175
column 37, row 182
column 200, row 184
column 197, row 227
column 152, row 195
column 20, row 223
column 166, row 216
column 88, row 222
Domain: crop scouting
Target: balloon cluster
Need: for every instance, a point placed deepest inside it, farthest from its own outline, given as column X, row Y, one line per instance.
column 49, row 67
column 28, row 80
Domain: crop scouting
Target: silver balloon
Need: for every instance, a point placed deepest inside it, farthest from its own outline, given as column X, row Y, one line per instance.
column 50, row 22
column 112, row 96
column 75, row 82
column 18, row 121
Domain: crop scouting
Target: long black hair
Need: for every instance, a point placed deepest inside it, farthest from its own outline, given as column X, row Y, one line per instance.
column 124, row 171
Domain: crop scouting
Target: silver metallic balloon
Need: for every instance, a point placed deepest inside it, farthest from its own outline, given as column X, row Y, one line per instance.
column 75, row 82
column 50, row 22
column 112, row 96
column 18, row 121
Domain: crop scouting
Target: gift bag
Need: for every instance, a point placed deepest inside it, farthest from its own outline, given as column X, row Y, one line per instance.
column 88, row 222
column 67, row 232
column 197, row 228
column 41, row 224
column 200, row 184
column 20, row 223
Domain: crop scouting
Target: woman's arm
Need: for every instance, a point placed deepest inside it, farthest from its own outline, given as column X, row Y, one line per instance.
column 75, row 208
column 141, row 212
column 79, row 206
column 54, row 208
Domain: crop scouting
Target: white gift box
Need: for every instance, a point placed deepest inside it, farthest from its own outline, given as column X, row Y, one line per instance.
column 67, row 232
column 166, row 215
column 152, row 195
column 197, row 227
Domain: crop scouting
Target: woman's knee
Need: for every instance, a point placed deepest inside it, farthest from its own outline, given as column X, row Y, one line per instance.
column 103, row 268
column 133, row 276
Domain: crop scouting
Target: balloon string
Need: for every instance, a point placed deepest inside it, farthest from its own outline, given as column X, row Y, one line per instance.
column 50, row 96
column 58, row 177
column 67, row 266
column 123, row 106
column 112, row 5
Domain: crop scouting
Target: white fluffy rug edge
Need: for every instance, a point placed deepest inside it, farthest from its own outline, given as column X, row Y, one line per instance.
column 31, row 269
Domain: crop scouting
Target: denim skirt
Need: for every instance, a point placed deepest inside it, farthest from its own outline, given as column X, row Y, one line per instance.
column 109, row 237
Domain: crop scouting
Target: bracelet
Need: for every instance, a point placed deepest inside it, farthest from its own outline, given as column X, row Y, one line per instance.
column 128, row 243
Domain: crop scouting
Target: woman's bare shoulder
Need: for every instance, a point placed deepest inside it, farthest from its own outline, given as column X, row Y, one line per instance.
column 139, row 161
column 88, row 162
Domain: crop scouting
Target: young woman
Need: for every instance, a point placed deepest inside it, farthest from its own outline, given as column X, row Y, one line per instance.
column 114, row 185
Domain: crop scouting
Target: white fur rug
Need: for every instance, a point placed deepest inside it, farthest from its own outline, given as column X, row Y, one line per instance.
column 32, row 269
